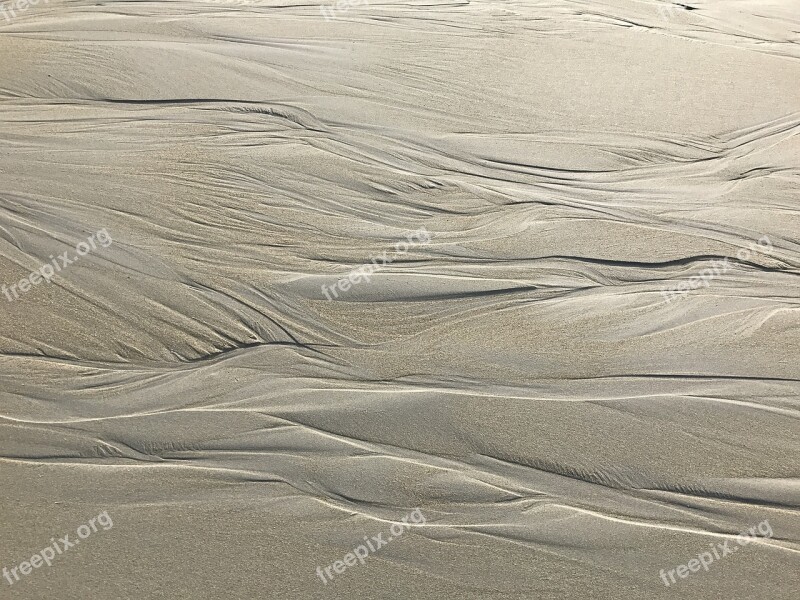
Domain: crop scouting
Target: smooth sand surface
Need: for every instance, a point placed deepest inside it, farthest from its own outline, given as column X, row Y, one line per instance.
column 524, row 377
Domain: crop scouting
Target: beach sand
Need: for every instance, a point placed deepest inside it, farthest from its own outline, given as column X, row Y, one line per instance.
column 581, row 375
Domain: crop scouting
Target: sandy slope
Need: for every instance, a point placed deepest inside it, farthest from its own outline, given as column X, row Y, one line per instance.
column 520, row 378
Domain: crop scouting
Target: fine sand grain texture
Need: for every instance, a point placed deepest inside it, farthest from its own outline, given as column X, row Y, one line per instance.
column 458, row 299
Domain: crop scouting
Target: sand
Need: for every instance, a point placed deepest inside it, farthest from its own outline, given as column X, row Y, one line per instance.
column 582, row 376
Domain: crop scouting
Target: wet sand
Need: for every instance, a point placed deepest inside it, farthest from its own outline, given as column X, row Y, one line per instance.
column 583, row 375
